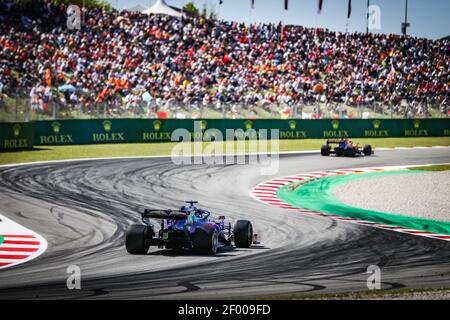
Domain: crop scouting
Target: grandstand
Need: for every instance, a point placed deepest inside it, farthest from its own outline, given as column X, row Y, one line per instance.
column 130, row 64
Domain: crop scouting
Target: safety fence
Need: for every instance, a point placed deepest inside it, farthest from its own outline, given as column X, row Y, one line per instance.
column 25, row 104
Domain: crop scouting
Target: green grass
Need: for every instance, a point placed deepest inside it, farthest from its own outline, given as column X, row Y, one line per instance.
column 440, row 167
column 368, row 294
column 47, row 153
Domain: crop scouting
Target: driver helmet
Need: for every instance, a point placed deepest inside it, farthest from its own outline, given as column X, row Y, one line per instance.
column 187, row 209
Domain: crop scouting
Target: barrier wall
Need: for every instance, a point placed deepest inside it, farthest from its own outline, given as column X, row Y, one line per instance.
column 66, row 132
column 16, row 136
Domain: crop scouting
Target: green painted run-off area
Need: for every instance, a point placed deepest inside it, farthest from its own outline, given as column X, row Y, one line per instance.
column 317, row 195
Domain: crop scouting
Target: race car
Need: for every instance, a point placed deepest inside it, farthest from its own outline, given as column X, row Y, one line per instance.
column 187, row 228
column 345, row 148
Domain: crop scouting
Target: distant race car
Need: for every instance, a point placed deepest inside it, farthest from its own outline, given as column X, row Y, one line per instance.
column 345, row 148
column 189, row 228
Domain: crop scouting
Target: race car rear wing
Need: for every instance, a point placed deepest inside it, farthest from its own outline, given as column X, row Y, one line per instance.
column 163, row 214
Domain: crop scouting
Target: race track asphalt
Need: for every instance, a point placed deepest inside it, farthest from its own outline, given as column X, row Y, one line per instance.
column 83, row 208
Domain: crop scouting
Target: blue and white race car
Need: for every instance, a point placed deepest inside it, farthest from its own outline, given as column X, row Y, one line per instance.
column 189, row 228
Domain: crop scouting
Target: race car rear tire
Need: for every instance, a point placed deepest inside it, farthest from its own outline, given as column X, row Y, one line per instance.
column 135, row 240
column 325, row 150
column 205, row 240
column 367, row 150
column 243, row 234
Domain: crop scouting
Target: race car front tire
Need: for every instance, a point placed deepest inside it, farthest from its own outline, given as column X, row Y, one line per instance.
column 205, row 240
column 243, row 234
column 135, row 241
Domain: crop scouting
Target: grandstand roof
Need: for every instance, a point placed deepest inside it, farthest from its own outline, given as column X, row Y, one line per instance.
column 161, row 7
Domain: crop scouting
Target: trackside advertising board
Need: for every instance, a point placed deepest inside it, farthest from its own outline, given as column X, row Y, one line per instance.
column 66, row 132
column 16, row 136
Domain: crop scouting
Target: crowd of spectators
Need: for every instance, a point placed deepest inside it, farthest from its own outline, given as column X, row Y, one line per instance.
column 129, row 61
